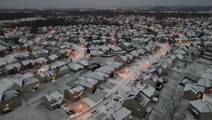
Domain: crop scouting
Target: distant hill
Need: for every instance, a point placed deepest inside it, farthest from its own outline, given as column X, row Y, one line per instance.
column 182, row 8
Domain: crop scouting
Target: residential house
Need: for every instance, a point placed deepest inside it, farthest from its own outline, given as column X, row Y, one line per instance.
column 53, row 101
column 13, row 68
column 40, row 61
column 137, row 103
column 52, row 58
column 202, row 109
column 191, row 91
column 121, row 59
column 60, row 71
column 89, row 84
column 207, row 84
column 9, row 97
column 75, row 67
column 125, row 46
column 74, row 93
column 27, row 84
column 122, row 114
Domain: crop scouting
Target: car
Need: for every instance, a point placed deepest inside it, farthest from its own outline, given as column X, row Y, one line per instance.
column 165, row 80
column 106, row 103
column 94, row 111
column 72, row 110
column 159, row 87
column 101, row 88
column 116, row 99
column 68, row 112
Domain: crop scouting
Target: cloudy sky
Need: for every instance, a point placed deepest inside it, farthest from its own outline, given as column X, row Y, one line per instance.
column 98, row 3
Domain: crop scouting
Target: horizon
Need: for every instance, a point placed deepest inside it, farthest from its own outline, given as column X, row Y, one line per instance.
column 97, row 4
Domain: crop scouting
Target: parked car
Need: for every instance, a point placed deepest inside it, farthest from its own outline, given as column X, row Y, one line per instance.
column 72, row 110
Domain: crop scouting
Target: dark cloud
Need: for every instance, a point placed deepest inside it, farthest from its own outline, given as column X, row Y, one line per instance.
column 98, row 3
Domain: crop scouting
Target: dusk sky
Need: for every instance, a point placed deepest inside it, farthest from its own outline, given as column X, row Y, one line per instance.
column 99, row 3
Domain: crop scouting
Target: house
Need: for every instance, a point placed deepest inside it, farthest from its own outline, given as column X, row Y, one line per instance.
column 50, row 75
column 147, row 90
column 141, row 51
column 150, row 79
column 2, row 51
column 125, row 46
column 9, row 97
column 121, row 59
column 27, row 64
column 40, row 52
column 193, row 52
column 13, row 68
column 202, row 109
column 83, row 63
column 122, row 114
column 60, row 71
column 53, row 58
column 135, row 54
column 75, row 67
column 53, row 101
column 40, row 61
column 89, row 84
column 101, row 77
column 74, row 93
column 27, row 84
column 115, row 65
column 207, row 84
column 46, row 76
column 191, row 92
column 137, row 103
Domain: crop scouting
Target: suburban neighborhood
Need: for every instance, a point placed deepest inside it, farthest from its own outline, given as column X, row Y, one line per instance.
column 125, row 67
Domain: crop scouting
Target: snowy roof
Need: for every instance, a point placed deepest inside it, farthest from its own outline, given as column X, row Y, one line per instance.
column 5, row 84
column 168, row 61
column 194, row 88
column 148, row 90
column 114, row 64
column 142, row 99
column 2, row 63
column 179, row 56
column 75, row 66
column 83, row 62
column 141, row 51
column 134, row 53
column 29, row 81
column 178, row 51
column 202, row 106
column 121, row 113
column 12, row 66
column 56, row 96
column 40, row 60
column 204, row 83
column 173, row 57
column 97, row 75
column 87, row 82
column 96, row 52
column 164, row 65
column 2, row 48
column 207, row 76
column 62, row 68
column 77, row 89
column 9, row 59
column 115, row 48
column 105, row 69
column 53, row 57
column 25, row 62
column 57, row 64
